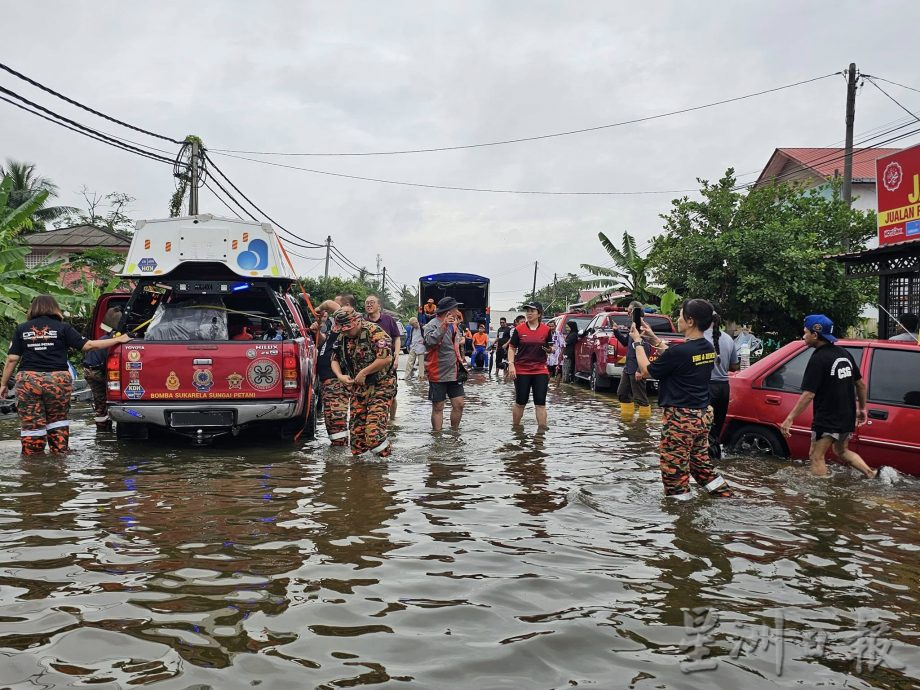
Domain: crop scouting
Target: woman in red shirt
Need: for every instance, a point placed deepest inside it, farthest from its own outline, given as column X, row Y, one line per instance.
column 530, row 344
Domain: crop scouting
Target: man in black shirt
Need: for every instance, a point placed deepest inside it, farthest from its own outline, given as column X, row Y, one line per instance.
column 833, row 381
column 502, row 337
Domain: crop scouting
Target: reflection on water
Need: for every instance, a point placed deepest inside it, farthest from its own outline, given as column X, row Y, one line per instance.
column 488, row 558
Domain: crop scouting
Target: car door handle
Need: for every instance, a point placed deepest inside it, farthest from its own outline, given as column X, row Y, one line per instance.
column 773, row 400
column 878, row 414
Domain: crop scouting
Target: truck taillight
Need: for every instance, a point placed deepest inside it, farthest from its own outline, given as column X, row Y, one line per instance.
column 290, row 372
column 113, row 371
column 611, row 350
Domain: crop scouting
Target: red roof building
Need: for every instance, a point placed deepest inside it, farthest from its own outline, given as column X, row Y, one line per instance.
column 813, row 167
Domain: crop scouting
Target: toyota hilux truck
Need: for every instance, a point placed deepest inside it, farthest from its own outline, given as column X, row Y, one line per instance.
column 221, row 341
column 599, row 356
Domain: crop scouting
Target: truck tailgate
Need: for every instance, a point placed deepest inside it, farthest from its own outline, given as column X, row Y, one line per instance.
column 201, row 371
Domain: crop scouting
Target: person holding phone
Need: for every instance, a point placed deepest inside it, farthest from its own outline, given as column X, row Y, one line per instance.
column 631, row 390
column 531, row 342
column 683, row 372
column 444, row 363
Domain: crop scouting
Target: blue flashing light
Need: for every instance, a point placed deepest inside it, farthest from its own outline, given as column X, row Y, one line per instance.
column 240, row 287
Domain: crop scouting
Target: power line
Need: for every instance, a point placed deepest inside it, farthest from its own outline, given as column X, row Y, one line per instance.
column 270, row 219
column 888, row 81
column 218, row 197
column 892, row 98
column 452, row 188
column 542, row 136
column 84, row 107
column 74, row 126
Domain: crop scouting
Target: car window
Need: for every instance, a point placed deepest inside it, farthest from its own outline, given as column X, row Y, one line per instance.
column 889, row 381
column 659, row 324
column 580, row 321
column 788, row 377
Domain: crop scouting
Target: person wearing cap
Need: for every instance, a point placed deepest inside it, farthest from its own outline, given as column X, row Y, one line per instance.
column 429, row 310
column 443, row 363
column 362, row 361
column 333, row 394
column 833, row 384
column 530, row 344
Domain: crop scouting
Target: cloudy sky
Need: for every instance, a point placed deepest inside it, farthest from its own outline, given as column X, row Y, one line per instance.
column 311, row 77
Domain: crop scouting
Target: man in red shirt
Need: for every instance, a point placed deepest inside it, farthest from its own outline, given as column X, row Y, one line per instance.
column 530, row 344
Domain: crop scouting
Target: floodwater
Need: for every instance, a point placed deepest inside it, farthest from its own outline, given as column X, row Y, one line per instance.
column 488, row 559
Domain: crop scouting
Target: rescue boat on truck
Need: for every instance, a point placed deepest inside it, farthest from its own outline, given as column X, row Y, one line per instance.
column 221, row 342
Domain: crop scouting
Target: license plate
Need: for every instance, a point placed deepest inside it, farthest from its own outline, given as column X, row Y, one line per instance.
column 201, row 418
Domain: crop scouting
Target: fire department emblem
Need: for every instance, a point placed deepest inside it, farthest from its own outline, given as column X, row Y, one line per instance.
column 134, row 355
column 172, row 381
column 893, row 176
column 251, row 353
column 203, row 379
column 235, row 381
column 263, row 374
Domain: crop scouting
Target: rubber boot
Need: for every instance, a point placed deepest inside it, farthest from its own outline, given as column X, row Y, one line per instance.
column 645, row 411
column 627, row 409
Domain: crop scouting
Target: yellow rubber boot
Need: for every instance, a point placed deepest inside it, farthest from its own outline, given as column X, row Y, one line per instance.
column 627, row 409
column 645, row 411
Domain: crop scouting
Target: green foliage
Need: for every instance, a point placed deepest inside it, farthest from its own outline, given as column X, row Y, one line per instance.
column 670, row 301
column 630, row 275
column 321, row 289
column 26, row 185
column 760, row 256
column 108, row 211
column 14, row 218
column 555, row 297
column 407, row 303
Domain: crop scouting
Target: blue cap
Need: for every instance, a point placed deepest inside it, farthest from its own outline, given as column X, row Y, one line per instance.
column 821, row 326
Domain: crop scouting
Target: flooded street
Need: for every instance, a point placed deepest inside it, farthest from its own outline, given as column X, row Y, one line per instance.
column 488, row 559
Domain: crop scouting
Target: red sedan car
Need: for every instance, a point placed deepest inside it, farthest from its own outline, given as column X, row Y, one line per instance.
column 763, row 395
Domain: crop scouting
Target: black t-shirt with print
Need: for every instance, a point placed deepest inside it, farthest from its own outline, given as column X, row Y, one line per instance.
column 42, row 344
column 683, row 373
column 503, row 334
column 831, row 374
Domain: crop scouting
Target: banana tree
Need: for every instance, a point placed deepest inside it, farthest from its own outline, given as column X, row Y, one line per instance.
column 629, row 274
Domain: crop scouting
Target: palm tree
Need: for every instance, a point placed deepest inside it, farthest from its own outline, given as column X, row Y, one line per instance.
column 630, row 272
column 26, row 184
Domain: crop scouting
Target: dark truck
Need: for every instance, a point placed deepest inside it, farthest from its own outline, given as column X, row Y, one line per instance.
column 468, row 288
column 221, row 342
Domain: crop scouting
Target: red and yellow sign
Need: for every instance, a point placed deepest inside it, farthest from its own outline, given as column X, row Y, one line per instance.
column 897, row 185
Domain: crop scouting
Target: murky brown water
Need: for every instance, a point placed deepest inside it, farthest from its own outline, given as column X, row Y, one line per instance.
column 485, row 560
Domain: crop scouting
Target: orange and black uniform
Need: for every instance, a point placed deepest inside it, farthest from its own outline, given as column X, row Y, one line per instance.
column 43, row 384
column 683, row 372
column 531, row 372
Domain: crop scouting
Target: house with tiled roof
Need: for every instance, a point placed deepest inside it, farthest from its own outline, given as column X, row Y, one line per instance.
column 814, row 166
column 64, row 243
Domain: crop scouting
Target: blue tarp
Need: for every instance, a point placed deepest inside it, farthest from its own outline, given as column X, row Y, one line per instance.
column 453, row 278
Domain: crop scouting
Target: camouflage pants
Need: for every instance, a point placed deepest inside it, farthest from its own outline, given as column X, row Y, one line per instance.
column 43, row 401
column 684, row 451
column 370, row 415
column 335, row 411
column 95, row 379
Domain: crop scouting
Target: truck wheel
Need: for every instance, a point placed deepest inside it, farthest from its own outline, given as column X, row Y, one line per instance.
column 752, row 439
column 131, row 432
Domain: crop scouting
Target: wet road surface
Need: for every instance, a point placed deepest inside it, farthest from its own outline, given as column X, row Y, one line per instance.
column 488, row 559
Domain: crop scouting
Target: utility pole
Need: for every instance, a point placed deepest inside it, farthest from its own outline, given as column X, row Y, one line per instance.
column 847, row 191
column 328, row 247
column 533, row 292
column 383, row 287
column 193, row 184
column 554, row 289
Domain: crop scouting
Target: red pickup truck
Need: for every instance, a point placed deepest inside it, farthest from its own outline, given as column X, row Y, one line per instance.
column 599, row 356
column 220, row 344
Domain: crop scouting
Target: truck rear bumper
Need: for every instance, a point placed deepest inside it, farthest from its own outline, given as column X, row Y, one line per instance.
column 242, row 413
column 614, row 370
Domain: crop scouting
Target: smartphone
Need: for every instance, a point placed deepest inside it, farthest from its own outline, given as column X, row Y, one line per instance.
column 637, row 318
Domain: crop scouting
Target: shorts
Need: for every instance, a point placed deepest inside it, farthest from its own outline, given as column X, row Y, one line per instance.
column 525, row 383
column 439, row 391
column 838, row 436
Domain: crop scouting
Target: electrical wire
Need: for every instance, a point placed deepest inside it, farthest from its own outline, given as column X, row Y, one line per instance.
column 220, row 199
column 892, row 98
column 542, row 136
column 888, row 81
column 402, row 183
column 268, row 217
column 67, row 123
column 41, row 86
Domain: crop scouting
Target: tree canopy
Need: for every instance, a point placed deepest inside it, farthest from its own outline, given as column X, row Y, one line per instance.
column 630, row 273
column 558, row 295
column 761, row 255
